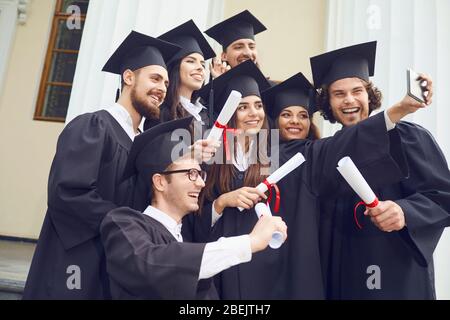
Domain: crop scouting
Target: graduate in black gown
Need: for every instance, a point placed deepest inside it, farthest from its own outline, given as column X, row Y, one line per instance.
column 145, row 253
column 391, row 257
column 291, row 105
column 85, row 178
column 232, row 180
column 187, row 75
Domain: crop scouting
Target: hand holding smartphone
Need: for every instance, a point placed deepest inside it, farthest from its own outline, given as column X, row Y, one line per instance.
column 416, row 86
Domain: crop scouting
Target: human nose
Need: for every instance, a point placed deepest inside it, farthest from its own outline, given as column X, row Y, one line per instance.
column 162, row 87
column 349, row 98
column 200, row 182
column 247, row 51
column 199, row 66
column 295, row 120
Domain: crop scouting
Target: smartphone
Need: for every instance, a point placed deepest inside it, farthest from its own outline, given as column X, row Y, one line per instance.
column 415, row 88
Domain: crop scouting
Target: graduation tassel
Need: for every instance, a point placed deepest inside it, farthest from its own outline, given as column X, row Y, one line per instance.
column 226, row 129
column 118, row 91
column 312, row 101
column 211, row 101
column 117, row 95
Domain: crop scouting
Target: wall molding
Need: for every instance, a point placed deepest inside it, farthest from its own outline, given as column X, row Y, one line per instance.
column 22, row 11
column 8, row 24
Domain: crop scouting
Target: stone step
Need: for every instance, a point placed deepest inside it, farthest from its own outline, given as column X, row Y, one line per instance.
column 15, row 260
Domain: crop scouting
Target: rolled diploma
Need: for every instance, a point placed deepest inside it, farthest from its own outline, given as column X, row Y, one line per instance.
column 353, row 176
column 277, row 237
column 292, row 164
column 225, row 115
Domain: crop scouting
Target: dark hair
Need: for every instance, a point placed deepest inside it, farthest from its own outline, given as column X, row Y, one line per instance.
column 220, row 176
column 224, row 50
column 323, row 100
column 176, row 110
column 172, row 100
column 314, row 132
column 167, row 177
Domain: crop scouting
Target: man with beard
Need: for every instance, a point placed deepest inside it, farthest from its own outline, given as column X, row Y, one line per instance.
column 85, row 181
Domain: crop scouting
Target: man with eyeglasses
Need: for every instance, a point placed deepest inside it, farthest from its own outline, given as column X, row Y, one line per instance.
column 146, row 257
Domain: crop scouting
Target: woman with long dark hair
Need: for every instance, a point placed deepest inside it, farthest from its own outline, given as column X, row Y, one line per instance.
column 231, row 184
column 186, row 75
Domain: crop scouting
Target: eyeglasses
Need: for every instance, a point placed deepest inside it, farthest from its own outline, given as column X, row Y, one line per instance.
column 193, row 174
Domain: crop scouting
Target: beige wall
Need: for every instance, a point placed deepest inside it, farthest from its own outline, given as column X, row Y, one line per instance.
column 295, row 32
column 27, row 146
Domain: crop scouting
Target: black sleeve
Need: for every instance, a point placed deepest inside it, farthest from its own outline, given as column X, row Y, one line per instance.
column 76, row 208
column 375, row 151
column 145, row 266
column 427, row 202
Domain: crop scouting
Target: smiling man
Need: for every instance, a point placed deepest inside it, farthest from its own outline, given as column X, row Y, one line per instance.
column 391, row 257
column 85, row 178
column 146, row 257
column 237, row 37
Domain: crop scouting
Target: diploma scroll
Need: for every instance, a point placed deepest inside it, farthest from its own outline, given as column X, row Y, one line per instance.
column 277, row 237
column 225, row 115
column 280, row 173
column 354, row 178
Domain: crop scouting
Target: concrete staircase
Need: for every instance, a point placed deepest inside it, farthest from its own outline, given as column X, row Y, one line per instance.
column 15, row 260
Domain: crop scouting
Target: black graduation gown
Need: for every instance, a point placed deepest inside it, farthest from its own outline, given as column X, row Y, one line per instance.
column 372, row 149
column 404, row 258
column 84, row 184
column 145, row 261
column 294, row 271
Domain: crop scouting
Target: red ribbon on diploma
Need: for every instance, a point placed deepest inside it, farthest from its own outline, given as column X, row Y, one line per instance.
column 368, row 205
column 224, row 134
column 277, row 194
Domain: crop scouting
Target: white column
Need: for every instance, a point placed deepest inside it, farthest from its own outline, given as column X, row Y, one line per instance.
column 108, row 22
column 442, row 98
column 8, row 22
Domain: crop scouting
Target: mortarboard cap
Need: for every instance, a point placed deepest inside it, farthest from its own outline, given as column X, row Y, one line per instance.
column 139, row 50
column 151, row 151
column 189, row 37
column 244, row 25
column 349, row 62
column 295, row 91
column 245, row 78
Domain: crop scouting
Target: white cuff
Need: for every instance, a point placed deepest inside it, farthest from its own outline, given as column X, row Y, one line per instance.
column 214, row 215
column 223, row 254
column 389, row 124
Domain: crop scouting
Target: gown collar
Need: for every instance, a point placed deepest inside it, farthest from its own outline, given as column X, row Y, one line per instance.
column 171, row 225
